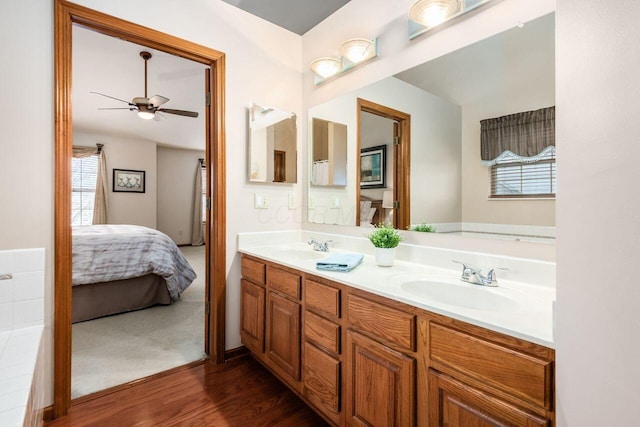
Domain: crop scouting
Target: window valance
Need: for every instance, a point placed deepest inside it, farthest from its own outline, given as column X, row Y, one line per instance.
column 525, row 134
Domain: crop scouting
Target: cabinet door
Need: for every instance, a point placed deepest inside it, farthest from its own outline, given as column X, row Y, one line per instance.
column 252, row 316
column 321, row 376
column 455, row 404
column 380, row 384
column 283, row 334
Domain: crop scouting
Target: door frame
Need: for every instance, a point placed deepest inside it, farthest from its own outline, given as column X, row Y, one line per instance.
column 401, row 159
column 66, row 15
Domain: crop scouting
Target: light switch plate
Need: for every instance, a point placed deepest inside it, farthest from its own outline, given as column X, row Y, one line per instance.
column 335, row 202
column 260, row 201
column 291, row 201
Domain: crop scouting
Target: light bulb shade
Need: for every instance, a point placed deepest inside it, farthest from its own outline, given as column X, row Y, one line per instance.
column 433, row 12
column 147, row 115
column 387, row 199
column 326, row 66
column 358, row 50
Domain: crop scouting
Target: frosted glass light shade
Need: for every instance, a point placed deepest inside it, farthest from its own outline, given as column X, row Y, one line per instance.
column 326, row 66
column 433, row 12
column 358, row 50
column 147, row 115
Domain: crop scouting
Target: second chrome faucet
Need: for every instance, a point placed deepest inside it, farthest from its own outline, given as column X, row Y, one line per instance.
column 474, row 275
column 320, row 246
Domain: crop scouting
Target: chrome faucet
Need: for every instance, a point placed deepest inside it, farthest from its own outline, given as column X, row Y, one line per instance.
column 319, row 246
column 475, row 277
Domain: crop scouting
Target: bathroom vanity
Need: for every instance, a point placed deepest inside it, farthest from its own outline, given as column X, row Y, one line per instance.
column 362, row 357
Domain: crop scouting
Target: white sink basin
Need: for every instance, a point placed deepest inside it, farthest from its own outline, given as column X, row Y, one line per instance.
column 460, row 295
column 298, row 254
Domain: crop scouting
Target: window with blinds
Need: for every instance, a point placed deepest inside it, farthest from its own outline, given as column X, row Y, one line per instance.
column 512, row 178
column 84, row 177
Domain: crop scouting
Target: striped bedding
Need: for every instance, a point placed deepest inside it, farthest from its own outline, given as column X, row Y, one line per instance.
column 103, row 253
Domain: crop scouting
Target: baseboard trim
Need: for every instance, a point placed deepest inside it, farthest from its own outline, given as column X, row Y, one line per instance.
column 235, row 353
column 47, row 413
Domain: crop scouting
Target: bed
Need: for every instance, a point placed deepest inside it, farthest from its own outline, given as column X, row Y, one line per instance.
column 121, row 268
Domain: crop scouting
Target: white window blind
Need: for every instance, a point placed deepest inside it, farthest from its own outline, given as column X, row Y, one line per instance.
column 516, row 178
column 84, row 177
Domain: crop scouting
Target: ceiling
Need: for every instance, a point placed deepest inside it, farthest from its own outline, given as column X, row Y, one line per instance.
column 114, row 67
column 298, row 16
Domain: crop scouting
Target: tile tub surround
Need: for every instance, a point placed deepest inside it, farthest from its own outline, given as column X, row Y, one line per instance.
column 21, row 331
column 530, row 283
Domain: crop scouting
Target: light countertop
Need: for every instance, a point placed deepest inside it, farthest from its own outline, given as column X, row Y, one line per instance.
column 516, row 308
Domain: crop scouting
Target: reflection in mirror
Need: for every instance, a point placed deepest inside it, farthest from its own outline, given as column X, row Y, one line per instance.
column 272, row 145
column 329, row 163
column 447, row 98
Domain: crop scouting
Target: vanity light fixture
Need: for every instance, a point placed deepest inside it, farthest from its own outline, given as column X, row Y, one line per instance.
column 433, row 12
column 353, row 52
column 427, row 14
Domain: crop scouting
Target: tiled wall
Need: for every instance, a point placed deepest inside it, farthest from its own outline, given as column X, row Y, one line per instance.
column 22, row 290
column 21, row 327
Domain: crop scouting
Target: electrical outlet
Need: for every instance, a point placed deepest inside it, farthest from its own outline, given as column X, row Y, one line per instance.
column 292, row 201
column 310, row 203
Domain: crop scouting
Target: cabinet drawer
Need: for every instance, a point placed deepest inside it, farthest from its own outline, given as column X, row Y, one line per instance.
column 284, row 282
column 321, row 374
column 385, row 323
column 321, row 298
column 519, row 374
column 253, row 270
column 322, row 332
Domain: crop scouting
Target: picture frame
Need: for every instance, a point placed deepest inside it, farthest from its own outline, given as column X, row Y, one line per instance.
column 128, row 181
column 373, row 167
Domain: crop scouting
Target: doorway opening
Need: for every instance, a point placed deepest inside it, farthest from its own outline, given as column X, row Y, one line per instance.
column 389, row 196
column 66, row 16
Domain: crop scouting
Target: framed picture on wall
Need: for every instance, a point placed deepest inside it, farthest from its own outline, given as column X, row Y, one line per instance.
column 128, row 181
column 373, row 167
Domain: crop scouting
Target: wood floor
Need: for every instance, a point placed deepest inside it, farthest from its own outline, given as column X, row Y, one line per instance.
column 238, row 393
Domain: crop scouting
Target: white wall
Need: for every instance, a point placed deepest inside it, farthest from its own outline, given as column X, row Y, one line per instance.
column 27, row 133
column 598, row 213
column 176, row 181
column 132, row 154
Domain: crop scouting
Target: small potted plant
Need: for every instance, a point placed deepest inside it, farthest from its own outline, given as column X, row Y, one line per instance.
column 422, row 227
column 385, row 239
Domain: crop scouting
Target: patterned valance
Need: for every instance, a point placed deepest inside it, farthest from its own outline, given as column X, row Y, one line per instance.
column 524, row 134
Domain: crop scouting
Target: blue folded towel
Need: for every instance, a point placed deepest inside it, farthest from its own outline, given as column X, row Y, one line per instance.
column 340, row 262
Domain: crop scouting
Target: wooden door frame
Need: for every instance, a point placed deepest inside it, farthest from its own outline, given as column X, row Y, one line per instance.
column 66, row 15
column 401, row 159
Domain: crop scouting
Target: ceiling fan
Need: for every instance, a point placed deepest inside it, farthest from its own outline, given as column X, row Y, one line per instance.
column 148, row 108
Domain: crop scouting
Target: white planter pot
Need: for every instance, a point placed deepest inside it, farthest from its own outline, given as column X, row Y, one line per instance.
column 385, row 256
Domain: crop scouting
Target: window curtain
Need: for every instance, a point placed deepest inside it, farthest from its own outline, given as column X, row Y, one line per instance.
column 197, row 229
column 525, row 135
column 100, row 209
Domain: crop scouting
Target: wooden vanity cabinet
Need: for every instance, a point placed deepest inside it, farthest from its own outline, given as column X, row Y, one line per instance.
column 363, row 360
column 322, row 351
column 381, row 368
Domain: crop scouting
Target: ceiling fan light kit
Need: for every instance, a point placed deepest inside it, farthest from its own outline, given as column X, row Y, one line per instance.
column 148, row 108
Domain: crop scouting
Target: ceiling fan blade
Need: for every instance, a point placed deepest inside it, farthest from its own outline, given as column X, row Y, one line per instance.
column 157, row 100
column 178, row 112
column 158, row 116
column 123, row 108
column 117, row 99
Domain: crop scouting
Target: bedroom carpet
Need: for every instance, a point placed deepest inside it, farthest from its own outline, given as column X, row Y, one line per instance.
column 117, row 349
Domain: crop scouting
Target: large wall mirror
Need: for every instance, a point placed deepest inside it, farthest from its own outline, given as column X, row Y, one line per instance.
column 272, row 145
column 448, row 184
